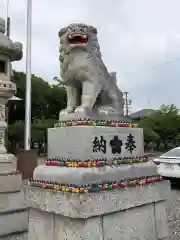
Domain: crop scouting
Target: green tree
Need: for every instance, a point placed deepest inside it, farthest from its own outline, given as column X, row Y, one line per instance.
column 56, row 100
column 46, row 100
column 150, row 136
column 16, row 131
column 165, row 122
column 38, row 133
column 15, row 136
column 59, row 82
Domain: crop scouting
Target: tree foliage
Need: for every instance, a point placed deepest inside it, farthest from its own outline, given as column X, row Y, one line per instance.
column 162, row 126
column 59, row 81
column 46, row 102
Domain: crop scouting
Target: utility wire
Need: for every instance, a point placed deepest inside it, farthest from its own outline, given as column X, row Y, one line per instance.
column 167, row 62
column 156, row 66
column 153, row 67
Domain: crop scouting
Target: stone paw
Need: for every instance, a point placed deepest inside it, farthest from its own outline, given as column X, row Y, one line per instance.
column 66, row 114
column 82, row 111
column 67, row 110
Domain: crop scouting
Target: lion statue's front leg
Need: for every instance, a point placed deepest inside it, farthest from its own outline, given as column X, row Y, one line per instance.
column 71, row 102
column 90, row 92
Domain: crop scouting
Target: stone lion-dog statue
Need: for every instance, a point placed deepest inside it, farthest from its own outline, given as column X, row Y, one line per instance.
column 91, row 90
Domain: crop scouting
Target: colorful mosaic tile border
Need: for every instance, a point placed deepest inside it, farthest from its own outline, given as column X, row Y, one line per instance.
column 72, row 188
column 94, row 163
column 87, row 122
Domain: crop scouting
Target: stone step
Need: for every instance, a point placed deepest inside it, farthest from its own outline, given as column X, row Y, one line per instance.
column 7, row 167
column 93, row 204
column 13, row 222
column 12, row 201
column 10, row 183
column 89, row 175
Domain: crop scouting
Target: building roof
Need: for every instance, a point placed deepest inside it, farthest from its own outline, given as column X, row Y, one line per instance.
column 141, row 113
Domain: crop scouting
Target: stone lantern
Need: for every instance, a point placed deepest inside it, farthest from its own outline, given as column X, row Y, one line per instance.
column 9, row 52
column 13, row 211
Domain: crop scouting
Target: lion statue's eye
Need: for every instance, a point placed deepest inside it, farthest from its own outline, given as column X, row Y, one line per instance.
column 81, row 29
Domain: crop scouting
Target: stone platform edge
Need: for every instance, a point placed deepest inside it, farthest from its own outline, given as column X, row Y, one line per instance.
column 87, row 205
column 10, row 183
column 11, row 202
column 83, row 176
column 15, row 222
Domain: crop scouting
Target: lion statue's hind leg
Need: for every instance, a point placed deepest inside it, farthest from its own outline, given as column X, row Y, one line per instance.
column 111, row 105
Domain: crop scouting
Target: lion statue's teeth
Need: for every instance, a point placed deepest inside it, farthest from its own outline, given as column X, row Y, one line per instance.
column 91, row 91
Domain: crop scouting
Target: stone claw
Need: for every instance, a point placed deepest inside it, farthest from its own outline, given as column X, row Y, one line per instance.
column 82, row 111
column 67, row 110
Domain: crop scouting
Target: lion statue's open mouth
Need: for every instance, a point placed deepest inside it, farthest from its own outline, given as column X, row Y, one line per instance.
column 77, row 39
column 77, row 34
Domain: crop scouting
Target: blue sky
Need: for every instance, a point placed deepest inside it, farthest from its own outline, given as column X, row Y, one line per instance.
column 135, row 36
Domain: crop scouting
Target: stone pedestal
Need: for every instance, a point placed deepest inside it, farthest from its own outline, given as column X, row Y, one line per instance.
column 134, row 211
column 84, row 142
column 13, row 210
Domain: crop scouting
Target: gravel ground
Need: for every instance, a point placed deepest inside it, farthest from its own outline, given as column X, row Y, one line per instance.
column 173, row 213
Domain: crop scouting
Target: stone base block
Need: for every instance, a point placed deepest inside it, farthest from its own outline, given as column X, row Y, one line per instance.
column 10, row 202
column 137, row 213
column 10, row 183
column 83, row 142
column 8, row 163
column 41, row 225
column 7, row 167
column 100, row 113
column 93, row 204
column 48, row 226
column 8, row 157
column 136, row 223
column 94, row 175
column 13, row 222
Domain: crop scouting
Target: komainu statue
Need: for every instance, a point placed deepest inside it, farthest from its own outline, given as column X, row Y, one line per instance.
column 91, row 90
